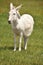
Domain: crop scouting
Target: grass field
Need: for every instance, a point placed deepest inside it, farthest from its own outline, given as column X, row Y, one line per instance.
column 34, row 53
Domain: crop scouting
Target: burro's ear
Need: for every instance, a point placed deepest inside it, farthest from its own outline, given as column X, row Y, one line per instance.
column 11, row 6
column 17, row 8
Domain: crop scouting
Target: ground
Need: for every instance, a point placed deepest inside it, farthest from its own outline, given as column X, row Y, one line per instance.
column 34, row 53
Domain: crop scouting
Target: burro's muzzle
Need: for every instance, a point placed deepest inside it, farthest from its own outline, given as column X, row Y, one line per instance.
column 9, row 21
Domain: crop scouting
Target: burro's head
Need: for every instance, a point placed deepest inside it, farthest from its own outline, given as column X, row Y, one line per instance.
column 13, row 13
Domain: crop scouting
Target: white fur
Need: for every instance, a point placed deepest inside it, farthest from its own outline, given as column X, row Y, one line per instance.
column 21, row 25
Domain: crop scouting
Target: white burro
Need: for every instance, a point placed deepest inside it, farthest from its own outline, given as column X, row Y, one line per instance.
column 21, row 25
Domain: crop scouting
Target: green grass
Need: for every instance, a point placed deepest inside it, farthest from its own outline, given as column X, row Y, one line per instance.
column 34, row 53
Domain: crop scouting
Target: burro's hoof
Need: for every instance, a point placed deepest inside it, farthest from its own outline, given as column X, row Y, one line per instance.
column 14, row 49
column 19, row 49
column 25, row 48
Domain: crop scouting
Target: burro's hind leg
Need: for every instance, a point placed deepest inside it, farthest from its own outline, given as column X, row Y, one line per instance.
column 25, row 43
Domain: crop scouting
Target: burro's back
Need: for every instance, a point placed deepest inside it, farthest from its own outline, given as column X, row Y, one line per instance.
column 26, row 24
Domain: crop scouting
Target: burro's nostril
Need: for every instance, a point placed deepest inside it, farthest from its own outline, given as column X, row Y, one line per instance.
column 9, row 22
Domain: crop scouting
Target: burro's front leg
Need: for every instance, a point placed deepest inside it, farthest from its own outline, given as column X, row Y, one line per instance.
column 20, row 40
column 14, row 42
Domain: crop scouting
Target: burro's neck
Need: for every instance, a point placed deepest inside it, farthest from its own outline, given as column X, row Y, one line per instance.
column 15, row 23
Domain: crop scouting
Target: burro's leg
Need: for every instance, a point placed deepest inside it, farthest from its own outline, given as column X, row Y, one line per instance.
column 14, row 42
column 25, row 43
column 20, row 40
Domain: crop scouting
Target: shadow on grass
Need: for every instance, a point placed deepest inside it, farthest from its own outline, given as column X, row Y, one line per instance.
column 8, row 48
